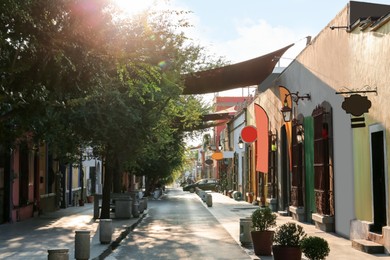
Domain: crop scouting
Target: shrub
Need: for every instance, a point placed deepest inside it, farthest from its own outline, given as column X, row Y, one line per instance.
column 315, row 248
column 263, row 219
column 289, row 234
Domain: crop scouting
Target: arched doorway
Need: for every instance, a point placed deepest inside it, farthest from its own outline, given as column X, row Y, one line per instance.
column 284, row 177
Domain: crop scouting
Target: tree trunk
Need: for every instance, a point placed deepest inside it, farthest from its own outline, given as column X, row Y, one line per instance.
column 117, row 176
column 105, row 213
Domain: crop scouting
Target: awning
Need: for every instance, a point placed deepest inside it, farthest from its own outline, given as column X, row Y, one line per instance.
column 239, row 75
column 217, row 116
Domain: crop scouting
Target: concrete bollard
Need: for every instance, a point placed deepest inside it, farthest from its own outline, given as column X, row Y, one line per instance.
column 105, row 231
column 157, row 193
column 58, row 254
column 245, row 231
column 145, row 199
column 135, row 209
column 141, row 206
column 209, row 200
column 82, row 246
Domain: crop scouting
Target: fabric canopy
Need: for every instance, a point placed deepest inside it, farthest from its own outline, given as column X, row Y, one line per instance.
column 243, row 74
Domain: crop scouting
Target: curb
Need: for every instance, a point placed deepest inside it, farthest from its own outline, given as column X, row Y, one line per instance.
column 118, row 240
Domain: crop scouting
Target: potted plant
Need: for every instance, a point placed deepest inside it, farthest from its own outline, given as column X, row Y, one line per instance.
column 262, row 220
column 315, row 248
column 287, row 241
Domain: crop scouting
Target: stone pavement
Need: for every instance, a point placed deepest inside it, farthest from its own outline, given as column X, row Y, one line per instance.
column 30, row 239
column 228, row 212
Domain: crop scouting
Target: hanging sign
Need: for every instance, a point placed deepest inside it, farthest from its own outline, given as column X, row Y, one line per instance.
column 209, row 162
column 356, row 105
column 249, row 134
column 217, row 156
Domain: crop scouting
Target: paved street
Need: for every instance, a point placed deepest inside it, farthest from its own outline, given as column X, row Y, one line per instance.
column 32, row 238
column 179, row 227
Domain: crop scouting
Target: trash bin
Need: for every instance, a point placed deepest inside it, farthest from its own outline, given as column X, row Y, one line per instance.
column 237, row 195
column 245, row 231
column 123, row 207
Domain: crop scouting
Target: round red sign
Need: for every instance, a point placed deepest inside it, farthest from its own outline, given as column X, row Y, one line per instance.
column 249, row 134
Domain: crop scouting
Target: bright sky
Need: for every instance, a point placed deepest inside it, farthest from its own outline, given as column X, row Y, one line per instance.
column 246, row 29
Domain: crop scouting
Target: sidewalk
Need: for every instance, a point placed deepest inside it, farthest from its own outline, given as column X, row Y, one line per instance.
column 30, row 239
column 228, row 212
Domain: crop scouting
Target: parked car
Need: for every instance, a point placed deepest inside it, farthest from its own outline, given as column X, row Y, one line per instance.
column 204, row 184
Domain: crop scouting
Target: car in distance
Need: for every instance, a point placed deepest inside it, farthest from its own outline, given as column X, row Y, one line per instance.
column 203, row 184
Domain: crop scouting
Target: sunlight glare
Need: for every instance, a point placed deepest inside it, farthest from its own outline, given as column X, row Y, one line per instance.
column 132, row 7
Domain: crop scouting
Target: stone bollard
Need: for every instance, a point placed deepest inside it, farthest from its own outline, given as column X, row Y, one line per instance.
column 157, row 193
column 141, row 206
column 82, row 245
column 145, row 199
column 203, row 195
column 135, row 209
column 209, row 200
column 105, row 231
column 58, row 254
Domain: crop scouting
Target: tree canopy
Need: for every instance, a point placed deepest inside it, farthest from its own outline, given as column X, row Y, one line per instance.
column 76, row 73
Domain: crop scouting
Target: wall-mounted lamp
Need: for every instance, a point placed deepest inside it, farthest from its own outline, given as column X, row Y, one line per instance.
column 286, row 110
column 300, row 134
column 274, row 145
column 240, row 143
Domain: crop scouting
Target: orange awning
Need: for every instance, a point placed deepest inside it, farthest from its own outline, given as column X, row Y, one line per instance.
column 239, row 75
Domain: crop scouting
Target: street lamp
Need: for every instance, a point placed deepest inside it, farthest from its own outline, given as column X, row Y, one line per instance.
column 240, row 143
column 286, row 110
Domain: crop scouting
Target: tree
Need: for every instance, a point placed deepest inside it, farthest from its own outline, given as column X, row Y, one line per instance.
column 74, row 74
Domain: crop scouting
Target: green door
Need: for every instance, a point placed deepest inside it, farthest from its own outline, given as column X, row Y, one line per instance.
column 310, row 206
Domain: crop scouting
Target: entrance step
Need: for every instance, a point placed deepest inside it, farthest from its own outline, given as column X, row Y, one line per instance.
column 283, row 213
column 368, row 246
column 375, row 237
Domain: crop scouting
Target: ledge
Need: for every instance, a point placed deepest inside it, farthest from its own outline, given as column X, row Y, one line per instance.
column 323, row 222
column 322, row 219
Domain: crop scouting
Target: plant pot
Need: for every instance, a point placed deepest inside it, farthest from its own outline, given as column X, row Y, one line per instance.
column 286, row 252
column 262, row 242
column 81, row 202
column 250, row 196
column 90, row 199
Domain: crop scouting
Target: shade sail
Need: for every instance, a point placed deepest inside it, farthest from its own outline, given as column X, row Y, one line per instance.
column 217, row 116
column 243, row 74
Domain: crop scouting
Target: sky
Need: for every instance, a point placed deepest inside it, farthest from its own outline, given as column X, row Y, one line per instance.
column 246, row 29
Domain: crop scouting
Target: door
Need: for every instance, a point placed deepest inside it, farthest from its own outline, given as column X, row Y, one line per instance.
column 284, row 171
column 378, row 181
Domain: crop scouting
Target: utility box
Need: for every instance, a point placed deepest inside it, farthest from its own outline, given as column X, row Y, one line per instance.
column 245, row 231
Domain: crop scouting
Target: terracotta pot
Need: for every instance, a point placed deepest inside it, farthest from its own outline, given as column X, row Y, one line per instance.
column 81, row 202
column 286, row 252
column 262, row 242
column 89, row 199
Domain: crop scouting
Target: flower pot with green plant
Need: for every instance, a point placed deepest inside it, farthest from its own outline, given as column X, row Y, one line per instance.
column 315, row 248
column 287, row 242
column 263, row 219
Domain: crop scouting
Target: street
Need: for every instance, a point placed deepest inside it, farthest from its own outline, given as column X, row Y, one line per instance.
column 179, row 227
